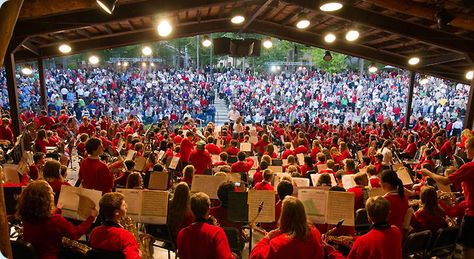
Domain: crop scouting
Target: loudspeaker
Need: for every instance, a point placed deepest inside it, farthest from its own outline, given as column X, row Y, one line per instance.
column 237, row 48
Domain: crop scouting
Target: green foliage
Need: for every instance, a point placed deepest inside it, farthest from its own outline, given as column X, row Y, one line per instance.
column 337, row 64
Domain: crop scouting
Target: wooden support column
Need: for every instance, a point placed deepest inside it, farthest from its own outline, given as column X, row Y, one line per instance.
column 469, row 119
column 8, row 16
column 43, row 101
column 410, row 99
column 12, row 92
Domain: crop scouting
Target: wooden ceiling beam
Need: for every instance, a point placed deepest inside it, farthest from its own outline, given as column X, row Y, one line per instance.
column 410, row 30
column 84, row 33
column 316, row 40
column 256, row 14
column 31, row 47
column 82, row 19
column 451, row 57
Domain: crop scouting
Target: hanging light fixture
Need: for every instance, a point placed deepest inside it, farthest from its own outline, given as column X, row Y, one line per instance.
column 373, row 68
column 119, row 64
column 64, row 48
column 267, row 43
column 352, row 35
column 330, row 5
column 327, row 56
column 164, row 28
column 470, row 75
column 125, row 64
column 107, row 5
column 303, row 22
column 147, row 51
column 414, row 61
column 94, row 60
column 27, row 71
column 206, row 42
column 152, row 64
column 237, row 17
column 443, row 18
column 330, row 38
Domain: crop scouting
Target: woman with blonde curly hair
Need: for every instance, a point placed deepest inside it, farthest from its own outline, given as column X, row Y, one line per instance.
column 41, row 226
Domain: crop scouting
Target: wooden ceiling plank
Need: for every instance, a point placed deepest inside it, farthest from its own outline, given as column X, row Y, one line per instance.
column 257, row 13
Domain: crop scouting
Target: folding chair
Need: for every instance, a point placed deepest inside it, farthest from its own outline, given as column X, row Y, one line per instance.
column 162, row 233
column 444, row 243
column 23, row 250
column 362, row 223
column 416, row 244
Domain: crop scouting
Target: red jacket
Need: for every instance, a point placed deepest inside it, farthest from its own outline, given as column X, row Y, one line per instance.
column 186, row 148
column 359, row 197
column 284, row 247
column 232, row 151
column 264, row 186
column 115, row 239
column 46, row 236
column 201, row 240
column 398, row 209
column 242, row 166
column 423, row 220
column 89, row 129
column 301, row 150
column 381, row 244
column 213, row 149
column 95, row 174
column 287, row 153
column 201, row 160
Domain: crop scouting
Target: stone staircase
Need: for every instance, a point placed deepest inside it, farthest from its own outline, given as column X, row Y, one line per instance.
column 221, row 111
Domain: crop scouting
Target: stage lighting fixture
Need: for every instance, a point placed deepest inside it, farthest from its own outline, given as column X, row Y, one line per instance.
column 330, row 38
column 152, row 64
column 352, row 35
column 327, row 56
column 143, row 64
column 470, row 75
column 330, row 5
column 414, row 61
column 147, row 51
column 27, row 71
column 64, row 48
column 267, row 43
column 125, row 64
column 164, row 28
column 303, row 23
column 237, row 17
column 119, row 64
column 206, row 42
column 107, row 5
column 94, row 60
column 373, row 68
column 443, row 18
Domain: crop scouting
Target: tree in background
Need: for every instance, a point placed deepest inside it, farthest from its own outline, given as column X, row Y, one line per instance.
column 337, row 64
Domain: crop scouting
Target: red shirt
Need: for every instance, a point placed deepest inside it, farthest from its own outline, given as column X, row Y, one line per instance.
column 33, row 173
column 374, row 182
column 186, row 148
column 465, row 176
column 359, row 197
column 423, row 220
column 96, row 175
column 201, row 240
column 232, row 151
column 105, row 142
column 411, row 149
column 398, row 209
column 201, row 160
column 6, row 134
column 287, row 153
column 301, row 150
column 213, row 149
column 89, row 129
column 314, row 153
column 264, row 186
column 381, row 244
column 46, row 236
column 242, row 166
column 115, row 239
column 257, row 177
column 56, row 186
column 304, row 169
column 220, row 213
column 41, row 145
column 284, row 247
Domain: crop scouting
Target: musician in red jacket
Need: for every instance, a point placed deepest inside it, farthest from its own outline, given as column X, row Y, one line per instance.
column 243, row 165
column 93, row 173
column 87, row 127
column 294, row 238
column 111, row 236
column 202, row 240
column 266, row 184
column 41, row 226
column 200, row 158
column 211, row 147
column 6, row 134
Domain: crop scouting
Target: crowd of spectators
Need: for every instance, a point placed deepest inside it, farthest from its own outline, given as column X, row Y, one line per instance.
column 287, row 96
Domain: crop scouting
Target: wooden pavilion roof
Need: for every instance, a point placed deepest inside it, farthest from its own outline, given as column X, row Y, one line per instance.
column 391, row 31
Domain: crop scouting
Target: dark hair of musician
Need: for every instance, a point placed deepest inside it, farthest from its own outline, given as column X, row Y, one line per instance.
column 109, row 203
column 92, row 145
column 179, row 206
column 223, row 193
column 52, row 171
column 200, row 204
column 391, row 178
column 284, row 189
column 241, row 156
column 429, row 200
column 36, row 202
column 293, row 218
column 38, row 156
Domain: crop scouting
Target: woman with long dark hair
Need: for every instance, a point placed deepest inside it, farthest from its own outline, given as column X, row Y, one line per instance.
column 395, row 194
column 180, row 215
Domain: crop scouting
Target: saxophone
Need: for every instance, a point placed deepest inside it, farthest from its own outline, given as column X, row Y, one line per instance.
column 144, row 240
column 75, row 245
